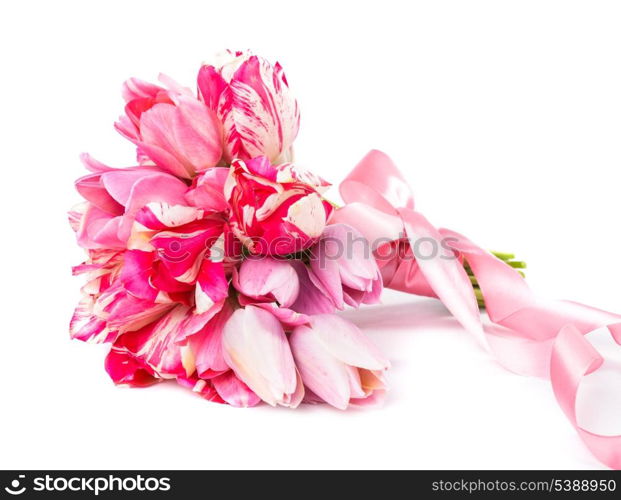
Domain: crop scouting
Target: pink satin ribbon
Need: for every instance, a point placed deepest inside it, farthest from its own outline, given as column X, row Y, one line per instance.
column 528, row 335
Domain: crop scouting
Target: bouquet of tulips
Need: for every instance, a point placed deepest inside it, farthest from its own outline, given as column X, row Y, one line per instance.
column 210, row 261
column 218, row 263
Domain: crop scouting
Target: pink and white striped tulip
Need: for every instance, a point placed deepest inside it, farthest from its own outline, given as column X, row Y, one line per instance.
column 170, row 256
column 251, row 97
column 256, row 348
column 272, row 211
column 338, row 363
column 106, row 309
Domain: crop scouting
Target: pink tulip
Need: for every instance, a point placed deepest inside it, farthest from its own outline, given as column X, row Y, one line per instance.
column 266, row 280
column 256, row 348
column 311, row 299
column 171, row 127
column 271, row 211
column 338, row 363
column 272, row 285
column 343, row 267
column 114, row 196
column 140, row 96
column 252, row 100
column 207, row 191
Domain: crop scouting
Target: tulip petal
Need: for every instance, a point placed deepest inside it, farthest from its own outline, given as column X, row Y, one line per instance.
column 324, row 374
column 126, row 312
column 155, row 344
column 125, row 369
column 93, row 165
column 288, row 317
column 208, row 194
column 92, row 189
column 234, row 391
column 210, row 86
column 347, row 343
column 256, row 348
column 184, row 138
column 267, row 277
column 196, row 321
column 136, row 274
column 135, row 88
column 162, row 158
column 212, row 285
column 325, row 273
column 159, row 216
column 155, row 188
column 197, row 134
column 308, row 215
column 99, row 229
column 86, row 326
column 373, row 400
column 204, row 388
column 311, row 299
column 119, row 183
column 289, row 173
column 182, row 253
column 207, row 343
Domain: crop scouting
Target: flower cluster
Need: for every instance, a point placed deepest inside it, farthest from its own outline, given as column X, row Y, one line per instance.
column 212, row 262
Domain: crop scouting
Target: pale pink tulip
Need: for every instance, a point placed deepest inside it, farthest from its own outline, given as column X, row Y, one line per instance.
column 266, row 279
column 338, row 363
column 252, row 100
column 171, row 127
column 256, row 348
column 274, row 214
column 343, row 267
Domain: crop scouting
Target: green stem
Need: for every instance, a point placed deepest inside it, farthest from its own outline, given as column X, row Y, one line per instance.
column 504, row 255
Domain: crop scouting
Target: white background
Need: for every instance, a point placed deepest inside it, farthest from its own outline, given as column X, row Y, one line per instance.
column 506, row 119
